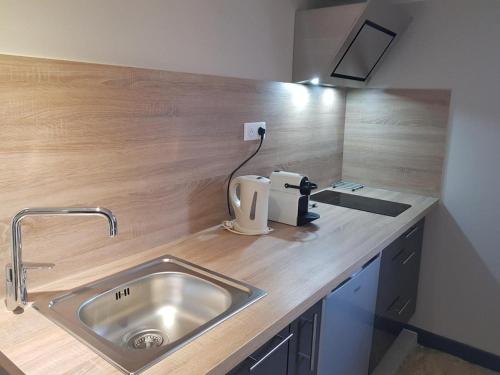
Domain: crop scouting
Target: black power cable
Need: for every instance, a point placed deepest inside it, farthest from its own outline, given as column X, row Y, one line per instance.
column 261, row 131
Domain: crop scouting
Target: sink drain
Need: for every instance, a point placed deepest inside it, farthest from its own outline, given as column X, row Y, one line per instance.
column 146, row 339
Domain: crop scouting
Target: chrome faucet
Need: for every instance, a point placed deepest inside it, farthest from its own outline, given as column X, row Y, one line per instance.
column 16, row 291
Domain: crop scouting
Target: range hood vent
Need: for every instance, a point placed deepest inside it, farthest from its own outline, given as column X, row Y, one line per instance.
column 344, row 44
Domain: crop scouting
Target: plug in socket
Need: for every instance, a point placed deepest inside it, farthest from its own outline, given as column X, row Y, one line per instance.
column 251, row 130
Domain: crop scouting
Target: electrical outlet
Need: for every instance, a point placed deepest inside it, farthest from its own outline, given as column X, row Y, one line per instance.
column 251, row 130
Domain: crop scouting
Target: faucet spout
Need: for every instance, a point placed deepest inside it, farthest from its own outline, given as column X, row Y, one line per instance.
column 16, row 292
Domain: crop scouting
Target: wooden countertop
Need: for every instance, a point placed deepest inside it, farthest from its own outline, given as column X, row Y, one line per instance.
column 7, row 367
column 296, row 266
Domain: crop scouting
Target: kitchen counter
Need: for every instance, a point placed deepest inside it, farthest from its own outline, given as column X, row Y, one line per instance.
column 296, row 266
column 7, row 367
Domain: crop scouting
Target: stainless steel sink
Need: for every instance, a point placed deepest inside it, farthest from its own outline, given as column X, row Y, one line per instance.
column 137, row 317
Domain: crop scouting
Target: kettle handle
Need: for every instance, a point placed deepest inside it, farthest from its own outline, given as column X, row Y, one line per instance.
column 235, row 202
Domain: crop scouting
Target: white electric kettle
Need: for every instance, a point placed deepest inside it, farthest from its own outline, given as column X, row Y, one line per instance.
column 251, row 207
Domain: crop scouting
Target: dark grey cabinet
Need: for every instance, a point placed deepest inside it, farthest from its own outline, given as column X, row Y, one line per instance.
column 397, row 291
column 305, row 346
column 294, row 351
column 274, row 357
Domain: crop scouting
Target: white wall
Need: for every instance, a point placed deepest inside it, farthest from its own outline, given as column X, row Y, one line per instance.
column 241, row 38
column 454, row 44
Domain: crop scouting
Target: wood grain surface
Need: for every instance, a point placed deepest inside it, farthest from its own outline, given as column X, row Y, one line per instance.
column 7, row 367
column 153, row 146
column 396, row 139
column 297, row 266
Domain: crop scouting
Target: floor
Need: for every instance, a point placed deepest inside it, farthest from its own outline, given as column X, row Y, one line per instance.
column 425, row 361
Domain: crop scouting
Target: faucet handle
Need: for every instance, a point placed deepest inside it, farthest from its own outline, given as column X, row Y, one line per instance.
column 37, row 266
column 31, row 266
column 10, row 293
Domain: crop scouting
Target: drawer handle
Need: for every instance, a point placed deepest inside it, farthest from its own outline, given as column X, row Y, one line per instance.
column 282, row 342
column 403, row 308
column 313, row 345
column 408, row 258
column 412, row 232
column 398, row 254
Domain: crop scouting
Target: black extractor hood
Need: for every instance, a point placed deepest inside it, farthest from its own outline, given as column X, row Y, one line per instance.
column 344, row 44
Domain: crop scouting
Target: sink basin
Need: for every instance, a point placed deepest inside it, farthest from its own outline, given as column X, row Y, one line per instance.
column 137, row 317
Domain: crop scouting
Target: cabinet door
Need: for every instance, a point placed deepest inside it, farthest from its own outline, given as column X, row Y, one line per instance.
column 410, row 269
column 401, row 269
column 397, row 294
column 307, row 329
column 347, row 324
column 271, row 359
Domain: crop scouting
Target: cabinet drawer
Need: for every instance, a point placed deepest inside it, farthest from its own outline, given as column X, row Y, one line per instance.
column 402, row 308
column 409, row 272
column 270, row 358
column 389, row 288
column 400, row 299
column 412, row 239
column 399, row 270
column 398, row 284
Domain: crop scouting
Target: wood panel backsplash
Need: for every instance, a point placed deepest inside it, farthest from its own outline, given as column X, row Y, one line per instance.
column 396, row 139
column 153, row 146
